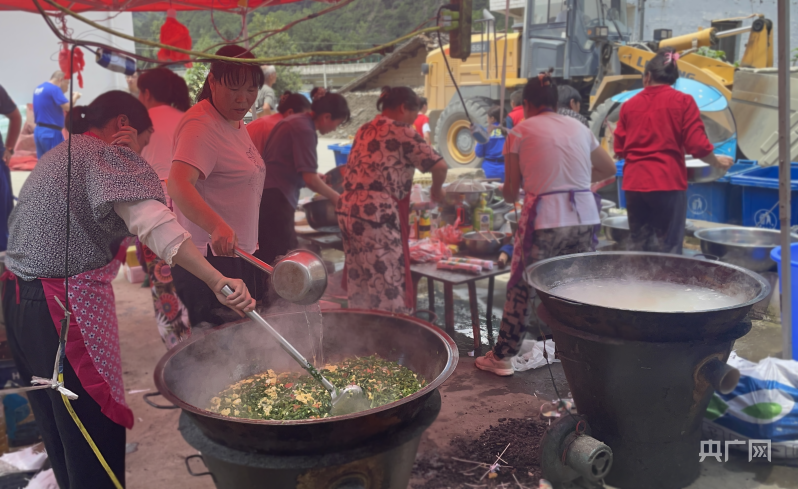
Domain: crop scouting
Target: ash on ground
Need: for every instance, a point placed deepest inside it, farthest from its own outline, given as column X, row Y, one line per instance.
column 523, row 435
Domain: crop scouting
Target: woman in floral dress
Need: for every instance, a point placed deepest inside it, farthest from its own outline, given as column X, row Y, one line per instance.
column 166, row 97
column 373, row 211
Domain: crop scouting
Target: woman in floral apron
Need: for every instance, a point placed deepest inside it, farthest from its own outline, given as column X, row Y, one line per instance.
column 166, row 97
column 114, row 194
column 557, row 157
column 373, row 211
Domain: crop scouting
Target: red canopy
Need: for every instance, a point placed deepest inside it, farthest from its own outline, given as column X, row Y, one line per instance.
column 146, row 5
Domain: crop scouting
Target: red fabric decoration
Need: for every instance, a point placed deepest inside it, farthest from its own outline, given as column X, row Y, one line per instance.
column 173, row 33
column 77, row 63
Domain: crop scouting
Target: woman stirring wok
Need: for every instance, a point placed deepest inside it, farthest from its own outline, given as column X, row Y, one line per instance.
column 114, row 194
column 373, row 211
column 216, row 181
column 558, row 158
column 655, row 129
column 291, row 163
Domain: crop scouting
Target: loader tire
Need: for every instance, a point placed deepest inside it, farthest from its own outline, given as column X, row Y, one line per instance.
column 602, row 123
column 452, row 134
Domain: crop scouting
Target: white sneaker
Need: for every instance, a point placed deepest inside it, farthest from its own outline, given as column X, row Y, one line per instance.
column 489, row 363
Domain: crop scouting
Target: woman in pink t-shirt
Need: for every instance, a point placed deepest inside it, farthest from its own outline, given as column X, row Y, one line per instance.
column 165, row 95
column 216, row 180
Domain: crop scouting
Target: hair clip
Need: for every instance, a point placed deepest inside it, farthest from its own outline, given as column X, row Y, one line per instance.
column 670, row 57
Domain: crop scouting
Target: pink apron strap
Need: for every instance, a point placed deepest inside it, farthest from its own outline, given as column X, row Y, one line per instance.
column 9, row 275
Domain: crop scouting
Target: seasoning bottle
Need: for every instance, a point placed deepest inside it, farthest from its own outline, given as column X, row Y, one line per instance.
column 464, row 214
column 413, row 225
column 483, row 217
column 424, row 225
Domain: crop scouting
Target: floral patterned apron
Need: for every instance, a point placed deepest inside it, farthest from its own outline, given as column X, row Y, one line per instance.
column 93, row 339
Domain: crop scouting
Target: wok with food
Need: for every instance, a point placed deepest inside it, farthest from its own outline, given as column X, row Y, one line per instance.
column 215, row 364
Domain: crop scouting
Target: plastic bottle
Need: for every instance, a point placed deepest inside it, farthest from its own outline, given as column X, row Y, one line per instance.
column 413, row 225
column 483, row 217
column 465, row 216
column 424, row 225
column 415, row 194
column 116, row 62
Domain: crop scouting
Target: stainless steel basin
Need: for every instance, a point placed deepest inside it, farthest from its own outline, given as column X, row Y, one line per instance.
column 745, row 247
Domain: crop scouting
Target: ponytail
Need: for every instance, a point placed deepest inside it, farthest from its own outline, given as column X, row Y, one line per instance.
column 395, row 97
column 78, row 121
column 166, row 87
column 333, row 104
column 541, row 91
column 663, row 68
column 108, row 106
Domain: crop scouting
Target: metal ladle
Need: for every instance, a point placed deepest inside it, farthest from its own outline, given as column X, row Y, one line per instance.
column 299, row 277
column 348, row 400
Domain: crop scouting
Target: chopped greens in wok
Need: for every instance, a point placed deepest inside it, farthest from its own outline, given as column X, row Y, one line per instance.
column 291, row 396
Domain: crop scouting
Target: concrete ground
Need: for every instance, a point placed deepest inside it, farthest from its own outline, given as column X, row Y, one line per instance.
column 472, row 399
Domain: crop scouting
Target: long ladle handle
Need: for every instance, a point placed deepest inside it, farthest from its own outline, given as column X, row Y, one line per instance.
column 251, row 259
column 288, row 347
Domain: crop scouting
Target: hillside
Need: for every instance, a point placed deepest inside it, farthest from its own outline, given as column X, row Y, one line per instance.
column 359, row 25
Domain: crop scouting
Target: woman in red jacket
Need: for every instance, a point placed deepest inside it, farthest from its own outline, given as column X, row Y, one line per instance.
column 656, row 129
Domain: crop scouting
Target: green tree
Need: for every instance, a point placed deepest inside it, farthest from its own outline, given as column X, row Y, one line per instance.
column 195, row 78
column 276, row 45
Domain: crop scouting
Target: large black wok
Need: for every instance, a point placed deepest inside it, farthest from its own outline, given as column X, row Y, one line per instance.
column 193, row 372
column 637, row 325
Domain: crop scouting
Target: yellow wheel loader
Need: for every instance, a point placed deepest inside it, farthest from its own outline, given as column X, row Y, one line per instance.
column 587, row 42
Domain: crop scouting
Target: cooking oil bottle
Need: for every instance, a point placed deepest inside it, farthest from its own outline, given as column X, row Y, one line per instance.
column 424, row 225
column 483, row 217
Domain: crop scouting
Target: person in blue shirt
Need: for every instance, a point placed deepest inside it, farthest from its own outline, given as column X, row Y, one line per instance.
column 49, row 104
column 493, row 150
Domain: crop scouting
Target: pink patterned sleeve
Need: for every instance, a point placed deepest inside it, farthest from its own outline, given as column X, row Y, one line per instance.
column 415, row 149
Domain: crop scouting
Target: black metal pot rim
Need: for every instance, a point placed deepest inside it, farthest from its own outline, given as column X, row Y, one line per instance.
column 699, row 236
column 763, row 293
column 160, row 382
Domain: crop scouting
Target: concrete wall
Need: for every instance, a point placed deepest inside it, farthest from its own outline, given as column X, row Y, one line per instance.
column 30, row 54
column 685, row 16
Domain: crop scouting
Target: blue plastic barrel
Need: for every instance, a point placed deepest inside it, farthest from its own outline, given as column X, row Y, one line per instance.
column 341, row 152
column 719, row 201
column 776, row 255
column 761, row 196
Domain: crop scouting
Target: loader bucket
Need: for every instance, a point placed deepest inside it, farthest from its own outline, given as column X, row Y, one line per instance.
column 755, row 107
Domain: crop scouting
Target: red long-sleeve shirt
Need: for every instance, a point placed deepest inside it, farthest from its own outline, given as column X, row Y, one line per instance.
column 657, row 127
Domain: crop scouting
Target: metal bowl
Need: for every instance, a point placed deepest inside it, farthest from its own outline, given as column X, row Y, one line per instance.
column 701, row 172
column 745, row 247
column 606, row 205
column 321, row 215
column 616, row 228
column 482, row 245
column 511, row 217
column 499, row 210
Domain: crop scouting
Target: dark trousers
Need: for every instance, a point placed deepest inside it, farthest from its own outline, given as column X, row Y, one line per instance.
column 199, row 299
column 276, row 233
column 33, row 339
column 657, row 220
